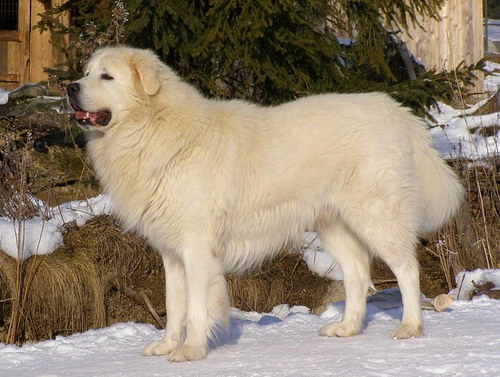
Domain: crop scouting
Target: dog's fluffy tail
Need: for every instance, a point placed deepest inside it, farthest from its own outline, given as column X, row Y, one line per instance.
column 442, row 193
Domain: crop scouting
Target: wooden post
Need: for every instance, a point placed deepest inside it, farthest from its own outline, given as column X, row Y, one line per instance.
column 42, row 52
column 24, row 28
column 457, row 37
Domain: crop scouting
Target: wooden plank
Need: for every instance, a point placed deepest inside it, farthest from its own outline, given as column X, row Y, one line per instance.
column 445, row 37
column 24, row 53
column 10, row 66
column 42, row 53
column 10, row 35
column 10, row 77
column 458, row 36
column 3, row 58
column 478, row 39
column 23, row 57
column 39, row 46
column 478, row 31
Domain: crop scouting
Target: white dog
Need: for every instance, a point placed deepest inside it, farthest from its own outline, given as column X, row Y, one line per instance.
column 221, row 186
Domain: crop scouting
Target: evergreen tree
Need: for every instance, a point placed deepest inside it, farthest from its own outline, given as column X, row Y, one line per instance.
column 93, row 23
column 269, row 51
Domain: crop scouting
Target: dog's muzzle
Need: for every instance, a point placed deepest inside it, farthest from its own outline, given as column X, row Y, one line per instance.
column 83, row 117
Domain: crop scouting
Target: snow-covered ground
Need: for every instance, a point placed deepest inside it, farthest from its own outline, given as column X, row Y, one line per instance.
column 492, row 34
column 458, row 133
column 462, row 341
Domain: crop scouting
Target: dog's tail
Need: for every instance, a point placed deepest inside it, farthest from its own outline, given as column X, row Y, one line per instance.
column 442, row 193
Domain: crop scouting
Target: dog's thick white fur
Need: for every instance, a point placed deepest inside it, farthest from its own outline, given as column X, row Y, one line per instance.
column 221, row 186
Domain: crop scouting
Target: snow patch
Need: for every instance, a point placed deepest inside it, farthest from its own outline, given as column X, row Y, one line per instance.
column 464, row 282
column 461, row 137
column 492, row 80
column 318, row 260
column 44, row 234
column 4, row 96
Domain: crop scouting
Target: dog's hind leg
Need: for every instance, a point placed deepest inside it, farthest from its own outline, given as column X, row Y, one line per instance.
column 176, row 295
column 405, row 266
column 203, row 273
column 391, row 237
column 354, row 259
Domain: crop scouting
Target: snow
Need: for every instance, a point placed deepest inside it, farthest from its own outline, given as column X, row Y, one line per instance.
column 492, row 79
column 44, row 234
column 465, row 279
column 458, row 133
column 25, row 238
column 317, row 260
column 4, row 96
column 462, row 341
column 460, row 137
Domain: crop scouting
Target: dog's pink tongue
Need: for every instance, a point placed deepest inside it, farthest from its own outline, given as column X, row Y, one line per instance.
column 91, row 117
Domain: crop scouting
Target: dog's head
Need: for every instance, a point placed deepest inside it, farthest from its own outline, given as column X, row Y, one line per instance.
column 118, row 81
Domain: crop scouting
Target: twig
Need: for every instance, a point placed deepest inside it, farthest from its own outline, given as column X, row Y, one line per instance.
column 487, row 248
column 384, row 281
column 140, row 298
column 152, row 310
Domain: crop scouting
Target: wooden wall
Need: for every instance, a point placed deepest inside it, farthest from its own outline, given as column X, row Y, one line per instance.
column 42, row 53
column 14, row 52
column 457, row 37
column 25, row 52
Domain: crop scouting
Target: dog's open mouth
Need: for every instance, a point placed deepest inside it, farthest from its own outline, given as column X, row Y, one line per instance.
column 87, row 118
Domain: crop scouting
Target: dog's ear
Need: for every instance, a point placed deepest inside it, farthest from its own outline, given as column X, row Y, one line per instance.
column 148, row 76
column 148, row 67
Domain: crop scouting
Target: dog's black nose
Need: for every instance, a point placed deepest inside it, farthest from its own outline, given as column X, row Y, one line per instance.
column 73, row 88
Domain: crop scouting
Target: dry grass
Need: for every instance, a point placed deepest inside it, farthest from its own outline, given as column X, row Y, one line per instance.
column 67, row 291
column 284, row 280
column 472, row 239
column 15, row 161
column 59, row 294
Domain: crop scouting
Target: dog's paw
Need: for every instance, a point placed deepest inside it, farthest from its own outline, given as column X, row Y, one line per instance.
column 158, row 348
column 187, row 353
column 340, row 329
column 405, row 331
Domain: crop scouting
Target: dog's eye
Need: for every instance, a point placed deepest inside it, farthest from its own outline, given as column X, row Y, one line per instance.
column 105, row 76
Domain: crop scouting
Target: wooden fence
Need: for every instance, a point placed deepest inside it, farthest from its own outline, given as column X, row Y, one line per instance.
column 25, row 52
column 457, row 37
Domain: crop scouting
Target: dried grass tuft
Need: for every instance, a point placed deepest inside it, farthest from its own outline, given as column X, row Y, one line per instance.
column 472, row 239
column 286, row 280
column 60, row 294
column 67, row 291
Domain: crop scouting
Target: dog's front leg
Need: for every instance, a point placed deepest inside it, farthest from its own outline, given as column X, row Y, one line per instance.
column 175, row 302
column 202, row 268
